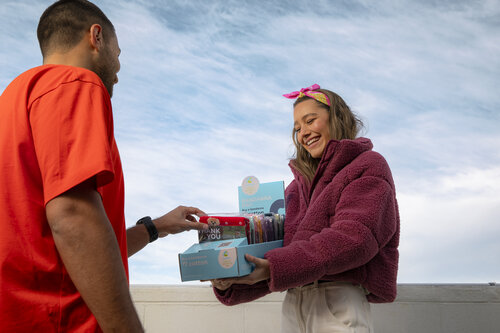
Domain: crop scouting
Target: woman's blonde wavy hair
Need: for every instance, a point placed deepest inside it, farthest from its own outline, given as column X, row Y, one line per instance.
column 344, row 124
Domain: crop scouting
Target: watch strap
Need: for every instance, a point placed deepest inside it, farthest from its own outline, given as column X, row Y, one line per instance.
column 150, row 227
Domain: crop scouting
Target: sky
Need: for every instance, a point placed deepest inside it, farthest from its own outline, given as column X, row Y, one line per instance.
column 199, row 107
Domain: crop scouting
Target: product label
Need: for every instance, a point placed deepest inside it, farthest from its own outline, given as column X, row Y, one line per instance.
column 227, row 257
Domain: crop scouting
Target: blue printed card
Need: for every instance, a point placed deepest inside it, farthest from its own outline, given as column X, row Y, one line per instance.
column 256, row 198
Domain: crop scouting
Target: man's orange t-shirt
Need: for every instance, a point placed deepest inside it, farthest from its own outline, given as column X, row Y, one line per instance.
column 56, row 131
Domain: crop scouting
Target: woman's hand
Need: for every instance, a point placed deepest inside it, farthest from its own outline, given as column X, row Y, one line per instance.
column 260, row 273
column 221, row 284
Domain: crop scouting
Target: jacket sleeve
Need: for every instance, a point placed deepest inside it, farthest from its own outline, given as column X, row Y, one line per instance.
column 364, row 220
column 242, row 293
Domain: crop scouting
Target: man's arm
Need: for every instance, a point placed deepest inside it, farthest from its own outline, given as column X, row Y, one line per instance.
column 89, row 250
column 178, row 220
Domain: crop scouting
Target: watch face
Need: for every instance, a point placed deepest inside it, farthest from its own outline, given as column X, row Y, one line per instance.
column 144, row 219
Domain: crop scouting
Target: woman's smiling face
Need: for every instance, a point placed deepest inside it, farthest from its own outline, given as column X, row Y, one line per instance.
column 312, row 126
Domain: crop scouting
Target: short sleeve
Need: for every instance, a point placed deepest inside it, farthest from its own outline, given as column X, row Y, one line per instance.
column 72, row 134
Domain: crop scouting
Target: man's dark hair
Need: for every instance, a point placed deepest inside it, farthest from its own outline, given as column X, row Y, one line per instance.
column 64, row 23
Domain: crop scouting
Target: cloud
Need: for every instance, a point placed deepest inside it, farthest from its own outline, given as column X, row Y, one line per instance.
column 216, row 109
column 199, row 107
column 20, row 49
column 449, row 227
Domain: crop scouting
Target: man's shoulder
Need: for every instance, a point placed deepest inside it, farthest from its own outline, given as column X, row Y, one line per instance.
column 41, row 80
column 61, row 74
column 47, row 76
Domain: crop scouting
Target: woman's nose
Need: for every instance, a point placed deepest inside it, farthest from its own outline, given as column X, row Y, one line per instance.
column 304, row 134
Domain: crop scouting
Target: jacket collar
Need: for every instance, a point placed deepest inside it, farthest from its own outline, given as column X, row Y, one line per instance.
column 336, row 156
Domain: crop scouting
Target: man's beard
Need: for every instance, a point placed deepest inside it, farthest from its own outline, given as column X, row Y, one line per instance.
column 103, row 70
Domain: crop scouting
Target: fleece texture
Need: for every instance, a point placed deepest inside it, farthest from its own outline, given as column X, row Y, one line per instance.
column 343, row 226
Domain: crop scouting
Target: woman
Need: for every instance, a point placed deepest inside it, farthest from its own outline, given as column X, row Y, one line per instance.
column 341, row 231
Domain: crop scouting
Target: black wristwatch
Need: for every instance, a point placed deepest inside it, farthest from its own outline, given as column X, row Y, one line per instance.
column 150, row 226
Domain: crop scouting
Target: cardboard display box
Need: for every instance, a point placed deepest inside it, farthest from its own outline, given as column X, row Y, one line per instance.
column 221, row 259
column 221, row 250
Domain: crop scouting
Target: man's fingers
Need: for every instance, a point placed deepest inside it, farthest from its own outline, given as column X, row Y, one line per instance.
column 195, row 211
column 191, row 218
column 195, row 226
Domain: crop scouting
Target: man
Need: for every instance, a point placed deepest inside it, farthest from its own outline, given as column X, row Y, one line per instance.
column 63, row 243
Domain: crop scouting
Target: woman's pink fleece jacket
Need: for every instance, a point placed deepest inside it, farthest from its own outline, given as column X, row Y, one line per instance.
column 344, row 226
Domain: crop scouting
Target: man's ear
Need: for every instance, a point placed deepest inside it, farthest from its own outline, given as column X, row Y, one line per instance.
column 96, row 39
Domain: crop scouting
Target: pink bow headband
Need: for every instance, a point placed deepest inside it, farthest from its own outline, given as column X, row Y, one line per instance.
column 310, row 92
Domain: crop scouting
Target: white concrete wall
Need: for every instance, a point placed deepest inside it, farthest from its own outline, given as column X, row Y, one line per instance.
column 418, row 309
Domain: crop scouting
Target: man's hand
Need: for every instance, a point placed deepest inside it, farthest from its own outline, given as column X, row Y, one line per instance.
column 178, row 220
column 260, row 273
